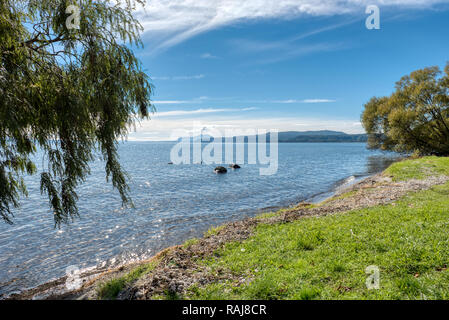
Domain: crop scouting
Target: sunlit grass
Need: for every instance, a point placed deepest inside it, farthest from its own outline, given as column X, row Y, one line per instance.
column 326, row 257
column 419, row 168
column 110, row 289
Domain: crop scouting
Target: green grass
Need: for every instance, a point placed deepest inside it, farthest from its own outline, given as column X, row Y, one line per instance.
column 110, row 289
column 213, row 231
column 326, row 257
column 191, row 242
column 419, row 168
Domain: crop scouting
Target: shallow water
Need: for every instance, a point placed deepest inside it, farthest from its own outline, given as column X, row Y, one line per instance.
column 172, row 203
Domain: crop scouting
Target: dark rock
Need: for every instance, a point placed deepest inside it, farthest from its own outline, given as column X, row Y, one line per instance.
column 220, row 170
column 170, row 162
column 234, row 166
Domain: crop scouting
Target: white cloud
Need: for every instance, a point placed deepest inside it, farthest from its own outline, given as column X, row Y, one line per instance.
column 207, row 55
column 194, row 77
column 163, row 128
column 200, row 111
column 287, row 50
column 293, row 101
column 174, row 21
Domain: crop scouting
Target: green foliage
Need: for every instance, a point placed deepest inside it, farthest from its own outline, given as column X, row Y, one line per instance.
column 415, row 118
column 326, row 257
column 69, row 92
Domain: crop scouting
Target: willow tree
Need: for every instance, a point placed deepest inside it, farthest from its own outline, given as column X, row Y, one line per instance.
column 415, row 118
column 70, row 86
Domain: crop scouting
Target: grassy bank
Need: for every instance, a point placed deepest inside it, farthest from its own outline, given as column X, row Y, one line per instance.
column 326, row 257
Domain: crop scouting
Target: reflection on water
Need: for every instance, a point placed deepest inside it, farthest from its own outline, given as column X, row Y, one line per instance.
column 379, row 163
column 172, row 203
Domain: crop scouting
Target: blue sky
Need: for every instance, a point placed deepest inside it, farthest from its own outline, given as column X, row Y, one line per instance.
column 287, row 65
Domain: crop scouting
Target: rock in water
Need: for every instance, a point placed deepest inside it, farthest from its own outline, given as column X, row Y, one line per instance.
column 220, row 170
column 234, row 166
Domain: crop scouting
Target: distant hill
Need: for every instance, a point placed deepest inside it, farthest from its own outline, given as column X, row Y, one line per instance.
column 314, row 133
column 309, row 136
column 320, row 136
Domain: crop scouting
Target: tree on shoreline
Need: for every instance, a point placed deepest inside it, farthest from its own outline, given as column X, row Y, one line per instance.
column 415, row 118
column 70, row 86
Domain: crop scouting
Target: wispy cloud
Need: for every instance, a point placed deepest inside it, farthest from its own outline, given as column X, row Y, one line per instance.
column 164, row 128
column 284, row 50
column 189, row 77
column 201, row 111
column 207, row 55
column 291, row 47
column 202, row 99
column 174, row 21
column 292, row 101
column 195, row 100
column 305, row 101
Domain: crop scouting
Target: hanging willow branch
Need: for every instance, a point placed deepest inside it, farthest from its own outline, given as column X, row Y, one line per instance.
column 70, row 92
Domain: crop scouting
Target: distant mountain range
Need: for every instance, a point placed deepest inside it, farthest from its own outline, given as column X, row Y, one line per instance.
column 307, row 136
column 320, row 136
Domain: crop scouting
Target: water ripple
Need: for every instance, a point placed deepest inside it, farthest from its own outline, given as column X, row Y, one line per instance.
column 172, row 204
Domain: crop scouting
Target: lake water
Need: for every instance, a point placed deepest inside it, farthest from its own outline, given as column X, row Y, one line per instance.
column 172, row 204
